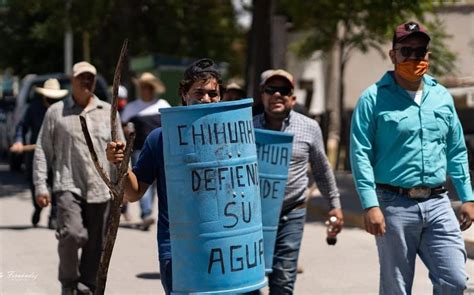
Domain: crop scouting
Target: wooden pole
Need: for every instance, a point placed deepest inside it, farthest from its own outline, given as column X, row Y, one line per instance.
column 115, row 187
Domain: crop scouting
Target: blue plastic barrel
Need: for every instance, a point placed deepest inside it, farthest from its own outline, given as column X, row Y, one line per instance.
column 213, row 198
column 274, row 156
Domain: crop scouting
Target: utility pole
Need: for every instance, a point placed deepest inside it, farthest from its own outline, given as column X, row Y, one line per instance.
column 68, row 40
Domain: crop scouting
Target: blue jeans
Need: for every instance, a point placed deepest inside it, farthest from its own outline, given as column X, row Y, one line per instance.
column 429, row 228
column 287, row 248
column 166, row 275
column 146, row 202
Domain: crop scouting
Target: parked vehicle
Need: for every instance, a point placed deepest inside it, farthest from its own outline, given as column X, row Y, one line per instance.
column 13, row 108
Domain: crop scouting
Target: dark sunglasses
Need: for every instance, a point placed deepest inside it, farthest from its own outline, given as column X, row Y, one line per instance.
column 284, row 90
column 407, row 51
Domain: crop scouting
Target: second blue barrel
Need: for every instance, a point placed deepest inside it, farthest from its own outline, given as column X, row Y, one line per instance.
column 214, row 202
column 274, row 156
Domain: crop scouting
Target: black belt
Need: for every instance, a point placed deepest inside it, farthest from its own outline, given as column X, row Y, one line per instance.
column 417, row 192
column 300, row 205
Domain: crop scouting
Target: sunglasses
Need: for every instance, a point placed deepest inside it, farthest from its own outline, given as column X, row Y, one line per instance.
column 420, row 52
column 284, row 90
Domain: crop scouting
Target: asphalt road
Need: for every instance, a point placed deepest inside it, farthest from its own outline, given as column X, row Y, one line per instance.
column 28, row 257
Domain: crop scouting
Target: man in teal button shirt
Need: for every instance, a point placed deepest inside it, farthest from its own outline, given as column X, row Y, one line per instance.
column 405, row 138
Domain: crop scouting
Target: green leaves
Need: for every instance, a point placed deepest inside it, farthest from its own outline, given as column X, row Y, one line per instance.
column 35, row 28
column 363, row 25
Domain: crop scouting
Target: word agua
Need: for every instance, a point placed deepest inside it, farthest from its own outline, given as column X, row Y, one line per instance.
column 236, row 257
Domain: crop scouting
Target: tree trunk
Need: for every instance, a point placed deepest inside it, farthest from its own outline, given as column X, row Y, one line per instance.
column 86, row 46
column 342, row 131
column 259, row 58
column 332, row 103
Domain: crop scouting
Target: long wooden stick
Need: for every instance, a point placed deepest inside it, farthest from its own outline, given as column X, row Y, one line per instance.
column 115, row 87
column 95, row 159
column 115, row 187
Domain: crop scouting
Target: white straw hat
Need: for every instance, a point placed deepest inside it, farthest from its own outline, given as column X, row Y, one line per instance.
column 52, row 89
column 150, row 79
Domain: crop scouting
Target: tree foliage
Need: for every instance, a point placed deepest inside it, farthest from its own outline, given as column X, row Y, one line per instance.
column 363, row 25
column 34, row 31
column 350, row 25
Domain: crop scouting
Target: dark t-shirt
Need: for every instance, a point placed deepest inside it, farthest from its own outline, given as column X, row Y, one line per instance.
column 143, row 126
column 31, row 121
column 150, row 167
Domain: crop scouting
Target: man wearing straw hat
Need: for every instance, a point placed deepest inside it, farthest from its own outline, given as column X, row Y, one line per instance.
column 143, row 116
column 82, row 196
column 201, row 83
column 51, row 93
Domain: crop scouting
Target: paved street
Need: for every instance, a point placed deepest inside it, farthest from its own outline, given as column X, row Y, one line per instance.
column 29, row 261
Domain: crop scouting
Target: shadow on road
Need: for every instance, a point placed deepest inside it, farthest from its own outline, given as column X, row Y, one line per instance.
column 21, row 227
column 134, row 226
column 149, row 276
column 11, row 183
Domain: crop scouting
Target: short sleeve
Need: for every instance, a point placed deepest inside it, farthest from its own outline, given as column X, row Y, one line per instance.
column 146, row 168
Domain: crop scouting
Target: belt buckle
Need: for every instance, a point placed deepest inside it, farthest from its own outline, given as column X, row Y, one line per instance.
column 419, row 192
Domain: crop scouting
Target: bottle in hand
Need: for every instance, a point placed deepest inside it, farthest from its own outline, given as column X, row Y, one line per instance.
column 331, row 238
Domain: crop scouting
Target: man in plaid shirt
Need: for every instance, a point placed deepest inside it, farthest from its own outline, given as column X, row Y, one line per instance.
column 278, row 100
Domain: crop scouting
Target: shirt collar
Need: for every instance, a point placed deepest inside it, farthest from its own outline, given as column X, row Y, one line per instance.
column 95, row 103
column 286, row 122
column 389, row 80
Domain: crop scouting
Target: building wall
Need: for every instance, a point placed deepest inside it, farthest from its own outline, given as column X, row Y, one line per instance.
column 364, row 69
column 305, row 71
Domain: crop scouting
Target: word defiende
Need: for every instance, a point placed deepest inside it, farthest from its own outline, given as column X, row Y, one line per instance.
column 217, row 133
column 236, row 258
column 229, row 179
column 273, row 154
column 225, row 177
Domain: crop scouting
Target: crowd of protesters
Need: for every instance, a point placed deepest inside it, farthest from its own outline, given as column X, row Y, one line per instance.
column 405, row 139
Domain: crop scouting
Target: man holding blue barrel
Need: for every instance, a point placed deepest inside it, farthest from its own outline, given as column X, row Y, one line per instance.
column 278, row 99
column 201, row 84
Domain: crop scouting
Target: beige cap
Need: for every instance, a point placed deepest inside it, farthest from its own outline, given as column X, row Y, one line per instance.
column 268, row 74
column 152, row 80
column 83, row 67
column 52, row 89
column 233, row 85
